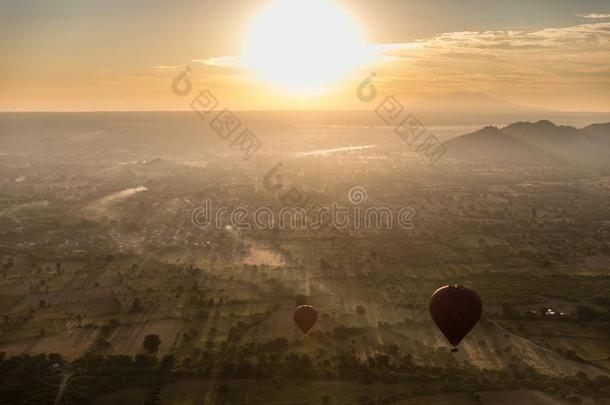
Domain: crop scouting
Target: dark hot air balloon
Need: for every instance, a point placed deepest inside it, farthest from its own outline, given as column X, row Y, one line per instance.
column 305, row 317
column 455, row 310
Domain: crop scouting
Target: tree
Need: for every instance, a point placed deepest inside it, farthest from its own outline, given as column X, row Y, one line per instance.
column 144, row 361
column 507, row 310
column 586, row 313
column 154, row 397
column 393, row 350
column 151, row 343
column 168, row 361
column 137, row 305
column 56, row 358
column 574, row 399
column 42, row 304
column 601, row 379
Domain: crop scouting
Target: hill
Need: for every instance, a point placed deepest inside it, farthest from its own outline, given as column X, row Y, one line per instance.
column 490, row 143
column 536, row 143
column 598, row 133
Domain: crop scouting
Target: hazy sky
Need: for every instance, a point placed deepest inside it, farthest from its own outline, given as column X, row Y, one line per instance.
column 123, row 55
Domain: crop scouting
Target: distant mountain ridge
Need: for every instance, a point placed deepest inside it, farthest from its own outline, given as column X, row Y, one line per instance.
column 540, row 142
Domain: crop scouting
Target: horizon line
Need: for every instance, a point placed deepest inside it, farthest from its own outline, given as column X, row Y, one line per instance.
column 533, row 111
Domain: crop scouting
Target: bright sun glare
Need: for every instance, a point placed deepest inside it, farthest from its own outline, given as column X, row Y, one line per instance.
column 304, row 45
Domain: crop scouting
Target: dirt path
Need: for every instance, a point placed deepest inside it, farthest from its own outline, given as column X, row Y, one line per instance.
column 62, row 387
column 536, row 345
column 589, row 366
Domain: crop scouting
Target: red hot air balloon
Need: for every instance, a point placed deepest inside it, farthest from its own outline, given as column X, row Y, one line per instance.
column 455, row 310
column 305, row 317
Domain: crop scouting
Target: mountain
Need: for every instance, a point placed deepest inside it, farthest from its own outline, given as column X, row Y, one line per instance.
column 490, row 143
column 543, row 130
column 541, row 142
column 598, row 133
column 565, row 142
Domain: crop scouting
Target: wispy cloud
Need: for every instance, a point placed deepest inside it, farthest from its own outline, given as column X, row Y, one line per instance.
column 595, row 35
column 167, row 68
column 562, row 65
column 220, row 61
column 572, row 63
column 594, row 16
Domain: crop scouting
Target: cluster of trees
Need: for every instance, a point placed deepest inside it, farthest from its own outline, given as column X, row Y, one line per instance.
column 241, row 327
column 101, row 343
column 27, row 379
column 587, row 313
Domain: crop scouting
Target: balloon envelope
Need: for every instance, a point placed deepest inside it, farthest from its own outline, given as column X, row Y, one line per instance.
column 455, row 310
column 305, row 317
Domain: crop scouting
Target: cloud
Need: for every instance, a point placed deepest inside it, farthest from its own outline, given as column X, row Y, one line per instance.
column 220, row 61
column 594, row 16
column 563, row 64
column 582, row 38
column 166, row 68
column 554, row 67
column 549, row 38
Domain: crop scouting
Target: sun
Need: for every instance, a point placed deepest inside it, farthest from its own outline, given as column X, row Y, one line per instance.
column 303, row 45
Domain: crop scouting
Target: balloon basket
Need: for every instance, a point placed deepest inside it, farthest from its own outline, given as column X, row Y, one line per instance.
column 454, row 350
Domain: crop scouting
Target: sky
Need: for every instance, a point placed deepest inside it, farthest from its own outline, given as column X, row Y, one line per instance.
column 82, row 55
